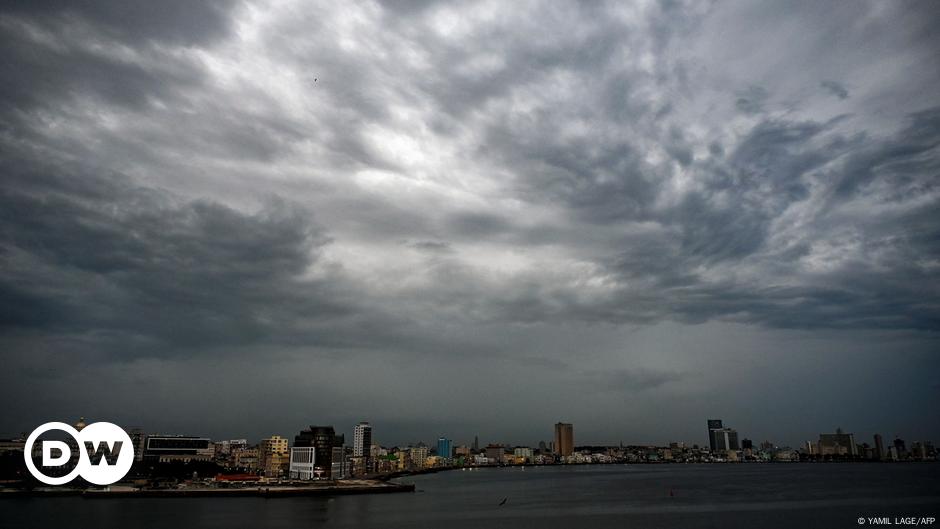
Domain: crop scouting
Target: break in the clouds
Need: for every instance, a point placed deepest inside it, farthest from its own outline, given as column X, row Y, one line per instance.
column 471, row 218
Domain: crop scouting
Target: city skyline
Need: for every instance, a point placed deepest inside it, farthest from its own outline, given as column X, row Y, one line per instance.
column 362, row 436
column 472, row 219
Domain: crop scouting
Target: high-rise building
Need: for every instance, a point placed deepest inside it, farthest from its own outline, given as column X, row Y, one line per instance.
column 362, row 440
column 476, row 443
column 445, row 447
column 713, row 426
column 721, row 439
column 838, row 443
column 879, row 447
column 321, row 438
column 901, row 447
column 564, row 439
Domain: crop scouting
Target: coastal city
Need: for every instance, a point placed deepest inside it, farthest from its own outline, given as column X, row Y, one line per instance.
column 320, row 455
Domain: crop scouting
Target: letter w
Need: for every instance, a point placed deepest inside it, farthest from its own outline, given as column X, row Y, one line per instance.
column 110, row 456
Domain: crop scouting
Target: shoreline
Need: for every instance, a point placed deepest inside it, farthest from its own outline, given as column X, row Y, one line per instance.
column 373, row 487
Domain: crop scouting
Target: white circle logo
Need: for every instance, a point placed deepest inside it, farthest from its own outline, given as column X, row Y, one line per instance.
column 105, row 453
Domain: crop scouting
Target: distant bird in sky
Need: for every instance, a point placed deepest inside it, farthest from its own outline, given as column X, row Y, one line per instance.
column 503, row 502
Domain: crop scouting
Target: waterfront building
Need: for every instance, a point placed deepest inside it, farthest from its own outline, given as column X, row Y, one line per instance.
column 724, row 439
column 321, row 439
column 274, row 455
column 245, row 458
column 837, row 444
column 226, row 447
column 879, row 447
column 419, row 455
column 185, row 448
column 138, row 440
column 721, row 439
column 303, row 463
column 444, row 448
column 12, row 445
column 713, row 425
column 495, row 453
column 901, row 448
column 523, row 452
column 340, row 458
column 362, row 440
column 564, row 439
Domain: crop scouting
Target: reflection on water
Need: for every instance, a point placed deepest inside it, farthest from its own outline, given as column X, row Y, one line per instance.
column 779, row 495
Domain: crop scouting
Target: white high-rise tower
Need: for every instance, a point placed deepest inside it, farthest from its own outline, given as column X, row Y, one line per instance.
column 362, row 440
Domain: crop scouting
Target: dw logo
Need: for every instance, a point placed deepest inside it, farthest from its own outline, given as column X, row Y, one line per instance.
column 105, row 453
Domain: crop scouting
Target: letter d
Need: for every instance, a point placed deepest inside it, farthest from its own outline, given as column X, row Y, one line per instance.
column 63, row 456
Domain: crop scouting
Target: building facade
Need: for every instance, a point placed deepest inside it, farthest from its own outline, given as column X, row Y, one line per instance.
column 721, row 439
column 321, row 439
column 274, row 455
column 837, row 444
column 303, row 463
column 169, row 448
column 362, row 440
column 445, row 448
column 564, row 439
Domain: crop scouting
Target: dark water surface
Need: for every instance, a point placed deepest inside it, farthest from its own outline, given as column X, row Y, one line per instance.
column 734, row 495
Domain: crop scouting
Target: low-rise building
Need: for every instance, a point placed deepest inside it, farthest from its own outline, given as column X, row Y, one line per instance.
column 303, row 463
column 169, row 448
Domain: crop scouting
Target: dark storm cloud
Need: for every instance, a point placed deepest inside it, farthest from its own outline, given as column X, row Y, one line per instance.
column 629, row 380
column 175, row 21
column 752, row 100
column 55, row 50
column 456, row 197
column 85, row 253
column 835, row 89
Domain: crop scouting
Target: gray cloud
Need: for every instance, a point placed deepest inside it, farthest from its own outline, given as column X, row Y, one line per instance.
column 471, row 205
column 629, row 380
column 836, row 89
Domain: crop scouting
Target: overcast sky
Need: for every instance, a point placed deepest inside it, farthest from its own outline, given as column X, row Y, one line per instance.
column 480, row 218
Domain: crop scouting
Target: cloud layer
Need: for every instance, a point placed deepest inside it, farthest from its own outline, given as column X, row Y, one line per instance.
column 616, row 203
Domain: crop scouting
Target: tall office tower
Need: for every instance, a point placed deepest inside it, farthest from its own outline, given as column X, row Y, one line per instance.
column 900, row 447
column 321, row 438
column 713, row 426
column 879, row 447
column 444, row 447
column 564, row 439
column 362, row 440
column 476, row 443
